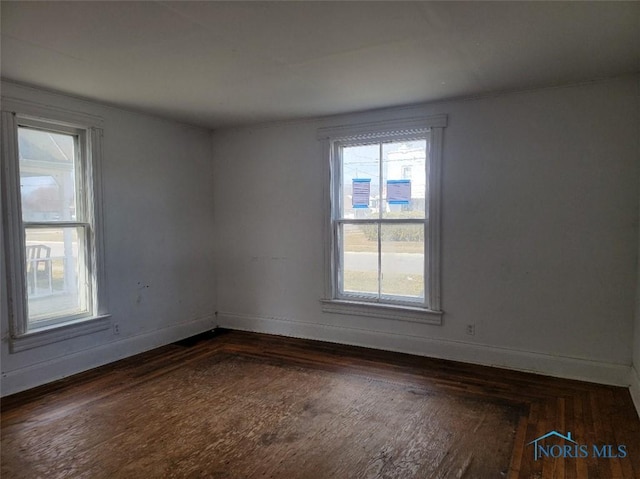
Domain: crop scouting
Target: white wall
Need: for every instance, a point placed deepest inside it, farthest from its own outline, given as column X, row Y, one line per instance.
column 540, row 219
column 634, row 376
column 158, row 245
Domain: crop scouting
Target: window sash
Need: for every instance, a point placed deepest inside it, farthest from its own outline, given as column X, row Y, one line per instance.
column 82, row 176
column 337, row 162
column 379, row 297
column 87, row 299
column 84, row 288
column 338, row 221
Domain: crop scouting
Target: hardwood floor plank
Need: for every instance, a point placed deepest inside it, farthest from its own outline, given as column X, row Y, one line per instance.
column 580, row 431
column 47, row 426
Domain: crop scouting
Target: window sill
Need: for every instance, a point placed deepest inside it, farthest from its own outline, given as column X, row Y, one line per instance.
column 60, row 332
column 385, row 311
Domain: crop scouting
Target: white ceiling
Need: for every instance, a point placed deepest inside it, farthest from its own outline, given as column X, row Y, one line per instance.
column 230, row 63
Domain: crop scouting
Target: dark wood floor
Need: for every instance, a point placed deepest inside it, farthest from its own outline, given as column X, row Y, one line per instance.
column 594, row 414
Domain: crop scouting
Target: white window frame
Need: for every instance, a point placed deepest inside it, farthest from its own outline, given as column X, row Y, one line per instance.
column 333, row 138
column 88, row 129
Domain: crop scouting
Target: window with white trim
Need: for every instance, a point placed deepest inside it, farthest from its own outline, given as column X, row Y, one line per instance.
column 384, row 218
column 51, row 200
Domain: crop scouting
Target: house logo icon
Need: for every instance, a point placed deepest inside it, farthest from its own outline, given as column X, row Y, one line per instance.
column 571, row 448
column 545, row 436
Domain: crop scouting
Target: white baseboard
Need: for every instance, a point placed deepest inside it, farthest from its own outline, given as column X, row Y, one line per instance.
column 634, row 387
column 557, row 366
column 540, row 363
column 58, row 368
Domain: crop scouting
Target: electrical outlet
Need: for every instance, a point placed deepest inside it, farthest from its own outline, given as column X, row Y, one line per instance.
column 116, row 328
column 471, row 329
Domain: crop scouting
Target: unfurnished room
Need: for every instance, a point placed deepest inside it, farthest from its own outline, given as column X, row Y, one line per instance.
column 320, row 239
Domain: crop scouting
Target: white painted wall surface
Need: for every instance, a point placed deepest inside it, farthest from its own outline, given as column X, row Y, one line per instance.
column 540, row 232
column 634, row 376
column 158, row 245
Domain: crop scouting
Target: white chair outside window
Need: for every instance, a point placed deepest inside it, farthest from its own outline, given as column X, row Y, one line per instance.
column 39, row 269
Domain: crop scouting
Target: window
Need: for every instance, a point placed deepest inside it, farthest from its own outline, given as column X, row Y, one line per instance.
column 384, row 219
column 51, row 185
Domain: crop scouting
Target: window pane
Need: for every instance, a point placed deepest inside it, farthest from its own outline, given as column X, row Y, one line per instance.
column 47, row 175
column 404, row 179
column 359, row 246
column 360, row 181
column 57, row 279
column 403, row 261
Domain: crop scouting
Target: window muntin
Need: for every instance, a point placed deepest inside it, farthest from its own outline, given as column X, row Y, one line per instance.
column 380, row 239
column 56, row 226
